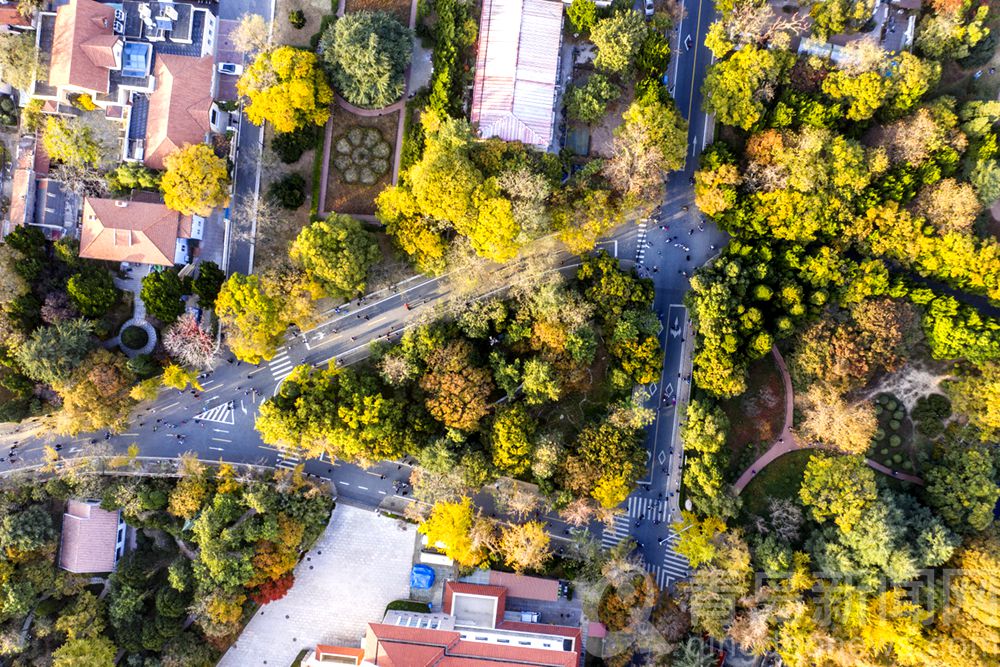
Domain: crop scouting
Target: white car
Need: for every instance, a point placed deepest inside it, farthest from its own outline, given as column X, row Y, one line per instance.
column 231, row 68
column 649, row 8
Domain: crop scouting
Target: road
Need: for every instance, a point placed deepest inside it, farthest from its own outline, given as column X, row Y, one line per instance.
column 219, row 423
column 246, row 179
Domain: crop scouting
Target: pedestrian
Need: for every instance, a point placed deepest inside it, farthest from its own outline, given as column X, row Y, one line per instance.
column 354, row 337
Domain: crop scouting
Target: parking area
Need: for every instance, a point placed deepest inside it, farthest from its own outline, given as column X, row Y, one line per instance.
column 360, row 564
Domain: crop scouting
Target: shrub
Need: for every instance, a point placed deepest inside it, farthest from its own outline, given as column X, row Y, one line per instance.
column 899, row 414
column 907, row 465
column 288, row 192
column 884, row 451
column 891, row 405
column 289, row 146
column 897, row 458
column 895, row 440
column 362, row 155
column 933, row 406
column 297, row 19
column 878, row 409
column 894, row 425
column 134, row 338
column 880, row 434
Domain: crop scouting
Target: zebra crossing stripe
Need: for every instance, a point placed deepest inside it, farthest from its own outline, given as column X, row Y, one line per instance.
column 221, row 414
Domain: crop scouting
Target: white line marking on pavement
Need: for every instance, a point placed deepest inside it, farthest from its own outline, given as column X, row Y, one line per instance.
column 128, row 434
column 218, row 449
column 221, row 440
column 345, row 483
column 382, row 492
column 171, row 405
column 220, row 430
column 363, row 488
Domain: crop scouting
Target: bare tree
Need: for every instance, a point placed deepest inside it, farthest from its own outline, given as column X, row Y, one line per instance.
column 253, row 34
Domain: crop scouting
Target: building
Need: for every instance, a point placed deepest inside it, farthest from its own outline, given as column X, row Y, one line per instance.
column 180, row 108
column 12, row 21
column 92, row 539
column 474, row 629
column 324, row 656
column 36, row 199
column 517, row 69
column 136, row 232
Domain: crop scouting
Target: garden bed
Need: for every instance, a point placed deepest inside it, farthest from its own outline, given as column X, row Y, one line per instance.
column 312, row 10
column 399, row 8
column 351, row 152
column 892, row 445
column 756, row 416
column 782, row 478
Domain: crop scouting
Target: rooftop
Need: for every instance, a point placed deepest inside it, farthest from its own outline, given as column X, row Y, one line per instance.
column 84, row 46
column 130, row 231
column 89, row 538
column 179, row 107
column 516, row 70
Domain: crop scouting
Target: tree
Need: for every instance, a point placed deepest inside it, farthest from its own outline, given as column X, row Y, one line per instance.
column 287, row 89
column 162, row 292
column 251, row 34
column 26, row 531
column 837, row 487
column 458, row 390
column 50, row 354
column 93, row 652
column 252, row 317
column 367, row 54
column 178, row 377
column 607, row 463
column 582, row 14
column 208, row 283
column 510, row 439
column 18, row 59
column 833, row 421
column 977, row 397
column 196, row 180
column 960, row 485
column 273, row 589
column 337, row 253
column 969, row 614
column 189, row 344
column 618, row 39
column 951, row 35
column 736, row 89
column 288, row 192
column 651, row 140
column 93, row 292
column 949, row 205
column 698, row 539
column 132, row 176
column 540, row 382
column 450, row 526
column 704, row 435
column 73, row 142
column 84, row 618
column 97, row 395
column 588, row 102
column 525, row 546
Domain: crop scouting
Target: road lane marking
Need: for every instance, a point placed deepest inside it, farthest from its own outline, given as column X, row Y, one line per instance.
column 221, row 440
column 218, row 449
column 363, row 488
column 220, row 430
column 344, row 483
column 171, row 405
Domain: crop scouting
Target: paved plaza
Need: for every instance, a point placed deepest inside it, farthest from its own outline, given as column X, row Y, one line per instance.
column 360, row 564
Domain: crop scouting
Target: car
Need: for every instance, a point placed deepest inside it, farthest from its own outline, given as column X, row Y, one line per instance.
column 649, row 8
column 231, row 68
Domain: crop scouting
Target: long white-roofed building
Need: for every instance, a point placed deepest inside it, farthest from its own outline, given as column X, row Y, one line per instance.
column 517, row 71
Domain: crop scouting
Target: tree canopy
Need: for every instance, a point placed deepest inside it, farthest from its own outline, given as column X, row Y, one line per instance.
column 286, row 88
column 196, row 180
column 337, row 253
column 367, row 54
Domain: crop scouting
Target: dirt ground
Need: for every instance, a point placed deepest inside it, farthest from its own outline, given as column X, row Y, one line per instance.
column 401, row 8
column 273, row 240
column 357, row 199
column 602, row 132
column 757, row 415
column 314, row 11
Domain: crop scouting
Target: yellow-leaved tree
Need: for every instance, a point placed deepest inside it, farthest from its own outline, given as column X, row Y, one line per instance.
column 450, row 527
column 196, row 180
column 286, row 88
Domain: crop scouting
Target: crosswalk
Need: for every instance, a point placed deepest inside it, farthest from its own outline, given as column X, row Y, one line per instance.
column 641, row 246
column 221, row 414
column 674, row 566
column 281, row 366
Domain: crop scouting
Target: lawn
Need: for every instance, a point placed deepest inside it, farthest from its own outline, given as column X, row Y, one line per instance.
column 401, row 8
column 357, row 198
column 756, row 416
column 313, row 10
column 893, row 442
column 781, row 479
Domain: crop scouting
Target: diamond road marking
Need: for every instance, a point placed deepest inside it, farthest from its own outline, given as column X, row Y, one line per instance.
column 662, row 458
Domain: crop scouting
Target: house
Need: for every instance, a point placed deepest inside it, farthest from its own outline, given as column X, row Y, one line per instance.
column 12, row 21
column 517, row 68
column 36, row 199
column 92, row 539
column 136, row 232
column 180, row 108
column 472, row 631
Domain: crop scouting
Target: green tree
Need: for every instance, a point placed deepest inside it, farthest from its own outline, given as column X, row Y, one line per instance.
column 253, row 318
column 132, row 176
column 93, row 292
column 162, row 292
column 72, row 142
column 582, row 14
column 651, row 141
column 511, row 439
column 97, row 395
column 838, row 488
column 196, row 180
column 367, row 54
column 589, row 102
column 208, row 283
column 961, row 485
column 977, row 396
column 26, row 531
column 18, row 59
column 540, row 382
column 93, row 652
column 286, row 88
column 704, row 435
column 50, row 354
column 618, row 39
column 337, row 253
column 84, row 618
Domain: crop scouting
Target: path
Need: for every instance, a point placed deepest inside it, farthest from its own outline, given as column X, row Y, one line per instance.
column 787, row 442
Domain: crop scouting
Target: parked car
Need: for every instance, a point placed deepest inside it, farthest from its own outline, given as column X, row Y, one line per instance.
column 231, row 68
column 649, row 8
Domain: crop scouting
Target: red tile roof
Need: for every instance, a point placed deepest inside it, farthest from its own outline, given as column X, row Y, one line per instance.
column 129, row 231
column 22, row 191
column 357, row 654
column 179, row 107
column 89, row 536
column 499, row 592
column 82, row 48
column 541, row 628
column 530, row 588
column 10, row 16
column 522, row 654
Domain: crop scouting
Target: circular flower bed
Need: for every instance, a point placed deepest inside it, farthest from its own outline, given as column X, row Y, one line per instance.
column 361, row 155
column 134, row 337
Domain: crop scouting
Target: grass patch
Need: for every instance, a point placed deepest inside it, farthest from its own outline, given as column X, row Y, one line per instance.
column 407, row 605
column 300, row 657
column 781, row 479
column 399, row 8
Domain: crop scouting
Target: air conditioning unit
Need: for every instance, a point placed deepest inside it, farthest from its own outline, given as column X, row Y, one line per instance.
column 121, row 204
